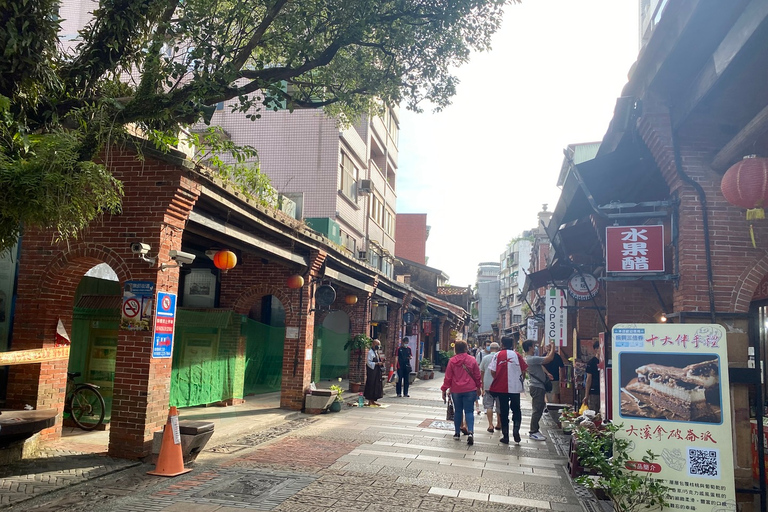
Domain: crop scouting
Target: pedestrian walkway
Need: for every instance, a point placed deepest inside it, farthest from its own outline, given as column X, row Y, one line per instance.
column 402, row 457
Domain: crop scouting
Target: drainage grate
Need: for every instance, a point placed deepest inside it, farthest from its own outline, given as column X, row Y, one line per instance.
column 591, row 506
column 238, row 488
column 260, row 490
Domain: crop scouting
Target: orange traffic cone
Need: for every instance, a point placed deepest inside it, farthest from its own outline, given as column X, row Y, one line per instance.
column 170, row 462
column 391, row 374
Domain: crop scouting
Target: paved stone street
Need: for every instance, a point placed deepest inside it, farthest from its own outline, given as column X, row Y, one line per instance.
column 398, row 457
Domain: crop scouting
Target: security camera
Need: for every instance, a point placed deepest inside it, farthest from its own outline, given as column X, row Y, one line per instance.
column 181, row 257
column 140, row 248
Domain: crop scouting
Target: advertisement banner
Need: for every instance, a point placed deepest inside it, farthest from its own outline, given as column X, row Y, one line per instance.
column 138, row 306
column 633, row 249
column 557, row 317
column 671, row 396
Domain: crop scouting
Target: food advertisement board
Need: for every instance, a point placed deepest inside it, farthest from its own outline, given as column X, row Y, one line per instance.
column 670, row 396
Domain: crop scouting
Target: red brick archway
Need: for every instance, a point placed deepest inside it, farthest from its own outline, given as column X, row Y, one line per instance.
column 744, row 288
column 36, row 321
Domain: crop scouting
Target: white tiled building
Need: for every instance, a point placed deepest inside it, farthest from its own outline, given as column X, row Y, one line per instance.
column 343, row 179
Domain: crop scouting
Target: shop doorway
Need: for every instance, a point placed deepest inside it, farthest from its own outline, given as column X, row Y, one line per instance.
column 264, row 331
column 329, row 354
column 95, row 321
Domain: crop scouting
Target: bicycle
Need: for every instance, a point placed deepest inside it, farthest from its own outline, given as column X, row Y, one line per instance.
column 84, row 403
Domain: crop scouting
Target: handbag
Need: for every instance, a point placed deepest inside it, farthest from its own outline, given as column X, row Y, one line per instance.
column 547, row 383
column 449, row 411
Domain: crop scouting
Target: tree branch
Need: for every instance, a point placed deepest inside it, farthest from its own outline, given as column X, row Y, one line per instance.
column 239, row 61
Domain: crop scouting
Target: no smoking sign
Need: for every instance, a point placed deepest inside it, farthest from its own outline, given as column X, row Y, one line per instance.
column 131, row 308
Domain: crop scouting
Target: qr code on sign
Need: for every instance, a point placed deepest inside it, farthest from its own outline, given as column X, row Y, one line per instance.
column 704, row 463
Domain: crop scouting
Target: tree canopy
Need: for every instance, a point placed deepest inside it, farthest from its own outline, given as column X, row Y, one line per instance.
column 153, row 65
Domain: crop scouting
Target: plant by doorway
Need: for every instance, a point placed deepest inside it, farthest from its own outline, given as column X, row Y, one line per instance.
column 601, row 452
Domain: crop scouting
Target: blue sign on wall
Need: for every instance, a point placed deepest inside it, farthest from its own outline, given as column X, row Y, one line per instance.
column 165, row 317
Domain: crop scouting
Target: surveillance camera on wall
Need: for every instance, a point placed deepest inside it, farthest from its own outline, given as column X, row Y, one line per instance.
column 140, row 248
column 181, row 257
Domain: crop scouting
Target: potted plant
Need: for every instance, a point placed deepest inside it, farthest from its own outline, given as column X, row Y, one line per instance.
column 426, row 371
column 606, row 456
column 357, row 344
column 336, row 405
column 567, row 419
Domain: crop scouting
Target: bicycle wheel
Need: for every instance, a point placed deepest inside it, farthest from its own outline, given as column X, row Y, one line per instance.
column 87, row 407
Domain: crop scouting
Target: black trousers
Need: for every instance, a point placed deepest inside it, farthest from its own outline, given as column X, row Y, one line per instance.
column 404, row 372
column 509, row 401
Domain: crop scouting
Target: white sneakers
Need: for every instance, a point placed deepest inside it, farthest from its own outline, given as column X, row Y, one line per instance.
column 537, row 436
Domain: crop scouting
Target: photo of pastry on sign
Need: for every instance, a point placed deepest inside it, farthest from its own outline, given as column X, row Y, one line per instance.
column 678, row 387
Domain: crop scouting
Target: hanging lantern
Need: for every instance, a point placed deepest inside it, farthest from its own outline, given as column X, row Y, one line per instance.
column 745, row 184
column 295, row 281
column 224, row 260
column 350, row 299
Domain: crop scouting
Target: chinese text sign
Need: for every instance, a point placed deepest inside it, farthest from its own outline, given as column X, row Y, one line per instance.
column 671, row 392
column 634, row 248
column 165, row 317
column 557, row 317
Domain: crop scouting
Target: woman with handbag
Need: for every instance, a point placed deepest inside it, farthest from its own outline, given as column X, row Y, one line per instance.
column 462, row 377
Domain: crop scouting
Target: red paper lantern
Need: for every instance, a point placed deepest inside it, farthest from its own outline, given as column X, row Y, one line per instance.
column 350, row 299
column 745, row 184
column 224, row 260
column 295, row 281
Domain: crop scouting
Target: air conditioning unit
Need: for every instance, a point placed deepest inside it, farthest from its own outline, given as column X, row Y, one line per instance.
column 364, row 187
column 362, row 255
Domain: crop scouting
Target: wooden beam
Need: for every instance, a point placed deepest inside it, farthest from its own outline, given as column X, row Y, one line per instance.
column 740, row 145
column 742, row 31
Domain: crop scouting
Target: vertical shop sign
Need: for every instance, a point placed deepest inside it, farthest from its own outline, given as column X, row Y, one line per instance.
column 634, row 249
column 557, row 317
column 165, row 317
column 138, row 305
column 671, row 392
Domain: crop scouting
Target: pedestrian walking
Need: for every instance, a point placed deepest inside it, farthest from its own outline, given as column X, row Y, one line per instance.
column 404, row 356
column 536, row 385
column 553, row 369
column 507, row 368
column 592, row 381
column 462, row 377
column 490, row 403
column 374, row 387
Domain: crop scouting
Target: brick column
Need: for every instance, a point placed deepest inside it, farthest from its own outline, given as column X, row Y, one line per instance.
column 297, row 367
column 360, row 322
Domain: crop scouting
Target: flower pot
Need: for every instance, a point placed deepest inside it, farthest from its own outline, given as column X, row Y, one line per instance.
column 335, row 406
column 412, row 377
column 355, row 387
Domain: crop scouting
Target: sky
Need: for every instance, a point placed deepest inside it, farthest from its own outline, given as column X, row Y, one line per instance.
column 482, row 168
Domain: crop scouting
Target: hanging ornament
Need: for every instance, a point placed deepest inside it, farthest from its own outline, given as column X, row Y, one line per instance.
column 295, row 281
column 224, row 260
column 745, row 184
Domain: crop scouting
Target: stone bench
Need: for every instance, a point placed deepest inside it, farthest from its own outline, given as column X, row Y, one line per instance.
column 18, row 426
column 194, row 436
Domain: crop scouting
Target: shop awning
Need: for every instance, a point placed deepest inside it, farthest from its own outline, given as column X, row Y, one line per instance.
column 627, row 175
column 555, row 274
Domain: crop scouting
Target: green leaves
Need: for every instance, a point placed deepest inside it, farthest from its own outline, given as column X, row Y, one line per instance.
column 50, row 188
column 606, row 455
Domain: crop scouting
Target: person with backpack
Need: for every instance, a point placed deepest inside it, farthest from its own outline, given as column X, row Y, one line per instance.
column 537, row 384
column 507, row 368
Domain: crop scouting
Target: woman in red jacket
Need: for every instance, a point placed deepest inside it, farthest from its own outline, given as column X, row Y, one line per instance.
column 462, row 377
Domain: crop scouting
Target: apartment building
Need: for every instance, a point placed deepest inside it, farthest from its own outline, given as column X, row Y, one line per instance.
column 513, row 265
column 487, row 296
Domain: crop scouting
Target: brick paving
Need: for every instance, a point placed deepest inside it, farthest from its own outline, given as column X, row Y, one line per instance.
column 398, row 458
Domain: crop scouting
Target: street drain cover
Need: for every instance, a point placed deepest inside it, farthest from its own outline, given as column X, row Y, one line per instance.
column 259, row 490
column 438, row 424
column 228, row 448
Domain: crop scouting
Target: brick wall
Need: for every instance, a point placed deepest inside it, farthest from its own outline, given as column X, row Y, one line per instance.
column 158, row 198
column 411, row 237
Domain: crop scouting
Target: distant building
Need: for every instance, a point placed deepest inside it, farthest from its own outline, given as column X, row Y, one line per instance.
column 487, row 296
column 514, row 263
column 412, row 233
